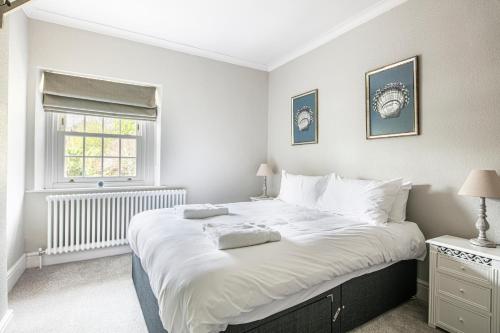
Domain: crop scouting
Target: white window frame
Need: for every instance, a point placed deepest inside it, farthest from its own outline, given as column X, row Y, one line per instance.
column 54, row 166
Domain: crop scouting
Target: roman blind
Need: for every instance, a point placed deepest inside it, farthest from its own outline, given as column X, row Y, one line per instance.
column 80, row 95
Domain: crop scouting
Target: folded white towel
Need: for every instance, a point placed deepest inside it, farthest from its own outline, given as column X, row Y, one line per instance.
column 201, row 211
column 230, row 236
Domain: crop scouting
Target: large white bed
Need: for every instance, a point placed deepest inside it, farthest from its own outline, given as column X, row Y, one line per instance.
column 201, row 289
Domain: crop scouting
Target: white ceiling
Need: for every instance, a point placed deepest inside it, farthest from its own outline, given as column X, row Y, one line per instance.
column 261, row 34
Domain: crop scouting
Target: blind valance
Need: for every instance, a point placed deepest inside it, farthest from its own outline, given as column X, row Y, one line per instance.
column 72, row 94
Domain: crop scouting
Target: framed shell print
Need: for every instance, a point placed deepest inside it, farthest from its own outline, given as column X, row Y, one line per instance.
column 392, row 100
column 305, row 118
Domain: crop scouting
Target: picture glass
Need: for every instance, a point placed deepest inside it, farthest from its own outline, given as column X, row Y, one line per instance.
column 304, row 118
column 392, row 105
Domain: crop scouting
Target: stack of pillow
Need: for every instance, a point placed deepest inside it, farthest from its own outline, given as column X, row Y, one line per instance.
column 369, row 201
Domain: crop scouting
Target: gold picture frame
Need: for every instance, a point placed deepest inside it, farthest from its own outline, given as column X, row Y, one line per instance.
column 304, row 118
column 397, row 117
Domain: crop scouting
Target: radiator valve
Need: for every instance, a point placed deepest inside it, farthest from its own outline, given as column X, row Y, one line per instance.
column 41, row 252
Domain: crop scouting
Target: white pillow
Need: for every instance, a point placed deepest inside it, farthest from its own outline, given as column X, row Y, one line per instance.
column 368, row 201
column 301, row 190
column 398, row 210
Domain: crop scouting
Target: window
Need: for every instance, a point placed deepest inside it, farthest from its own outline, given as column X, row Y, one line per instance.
column 98, row 130
column 99, row 147
column 88, row 149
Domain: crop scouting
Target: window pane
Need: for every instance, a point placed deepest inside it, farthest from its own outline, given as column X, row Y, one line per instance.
column 129, row 148
column 111, row 167
column 73, row 167
column 93, row 146
column 111, row 126
column 129, row 127
column 93, row 167
column 73, row 145
column 73, row 123
column 93, row 124
column 111, row 147
column 128, row 167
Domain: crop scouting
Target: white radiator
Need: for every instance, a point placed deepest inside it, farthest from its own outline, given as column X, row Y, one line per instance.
column 79, row 222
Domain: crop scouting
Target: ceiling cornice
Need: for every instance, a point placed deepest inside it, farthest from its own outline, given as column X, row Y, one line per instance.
column 366, row 15
column 47, row 16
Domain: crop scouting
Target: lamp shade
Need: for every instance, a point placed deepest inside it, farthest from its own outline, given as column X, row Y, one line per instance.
column 481, row 183
column 264, row 170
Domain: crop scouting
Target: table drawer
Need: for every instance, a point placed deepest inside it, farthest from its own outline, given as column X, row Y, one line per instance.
column 455, row 318
column 471, row 270
column 466, row 291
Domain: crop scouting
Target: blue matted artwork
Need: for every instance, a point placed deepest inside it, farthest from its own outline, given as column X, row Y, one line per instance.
column 392, row 100
column 305, row 118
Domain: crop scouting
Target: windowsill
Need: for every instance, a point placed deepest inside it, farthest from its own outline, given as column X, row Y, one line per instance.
column 99, row 189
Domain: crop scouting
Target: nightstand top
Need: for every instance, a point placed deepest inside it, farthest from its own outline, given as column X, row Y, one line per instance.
column 464, row 245
column 262, row 198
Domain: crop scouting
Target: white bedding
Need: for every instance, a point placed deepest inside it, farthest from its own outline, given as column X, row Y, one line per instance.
column 201, row 289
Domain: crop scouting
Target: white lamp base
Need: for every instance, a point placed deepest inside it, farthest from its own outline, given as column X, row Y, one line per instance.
column 264, row 188
column 482, row 226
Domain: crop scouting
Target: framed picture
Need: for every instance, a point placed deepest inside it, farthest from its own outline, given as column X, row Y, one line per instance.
column 392, row 100
column 305, row 118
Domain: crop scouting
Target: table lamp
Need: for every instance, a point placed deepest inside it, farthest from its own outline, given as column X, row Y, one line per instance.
column 264, row 171
column 482, row 184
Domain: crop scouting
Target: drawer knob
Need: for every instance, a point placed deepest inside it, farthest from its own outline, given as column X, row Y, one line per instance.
column 461, row 290
column 460, row 319
column 462, row 268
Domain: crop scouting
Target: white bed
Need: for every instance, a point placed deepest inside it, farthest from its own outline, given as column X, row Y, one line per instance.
column 201, row 289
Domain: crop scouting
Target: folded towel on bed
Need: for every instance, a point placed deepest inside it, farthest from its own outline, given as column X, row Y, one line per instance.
column 231, row 236
column 201, row 211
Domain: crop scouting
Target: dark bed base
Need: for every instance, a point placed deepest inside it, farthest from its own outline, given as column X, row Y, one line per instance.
column 339, row 310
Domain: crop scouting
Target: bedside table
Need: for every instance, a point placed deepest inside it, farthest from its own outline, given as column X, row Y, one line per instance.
column 261, row 198
column 464, row 286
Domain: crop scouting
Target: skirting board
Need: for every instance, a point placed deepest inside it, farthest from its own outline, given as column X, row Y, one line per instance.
column 5, row 321
column 15, row 272
column 33, row 259
column 423, row 290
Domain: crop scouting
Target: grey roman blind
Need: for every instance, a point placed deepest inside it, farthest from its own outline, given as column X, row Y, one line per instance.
column 72, row 94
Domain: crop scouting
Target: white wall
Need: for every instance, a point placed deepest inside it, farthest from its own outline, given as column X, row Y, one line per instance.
column 214, row 115
column 458, row 43
column 18, row 61
column 4, row 74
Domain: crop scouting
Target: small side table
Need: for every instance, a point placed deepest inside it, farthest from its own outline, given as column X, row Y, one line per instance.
column 464, row 286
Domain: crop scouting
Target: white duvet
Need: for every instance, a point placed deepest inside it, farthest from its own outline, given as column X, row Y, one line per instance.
column 201, row 289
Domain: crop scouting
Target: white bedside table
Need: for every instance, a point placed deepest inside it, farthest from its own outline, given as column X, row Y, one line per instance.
column 464, row 286
column 261, row 198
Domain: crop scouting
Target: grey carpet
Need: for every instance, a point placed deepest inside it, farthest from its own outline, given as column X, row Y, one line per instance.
column 83, row 297
column 98, row 296
column 409, row 318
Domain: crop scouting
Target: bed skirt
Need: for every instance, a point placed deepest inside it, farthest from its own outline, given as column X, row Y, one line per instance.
column 341, row 309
